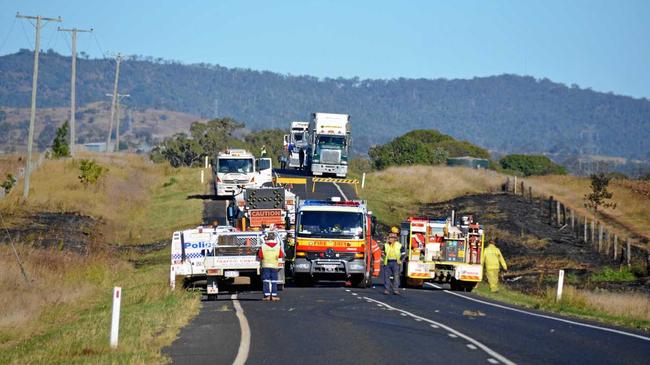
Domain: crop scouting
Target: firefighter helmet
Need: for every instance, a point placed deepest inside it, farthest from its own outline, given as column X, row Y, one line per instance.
column 394, row 230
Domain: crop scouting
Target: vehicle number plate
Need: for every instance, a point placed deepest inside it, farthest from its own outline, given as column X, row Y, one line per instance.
column 330, row 267
column 231, row 274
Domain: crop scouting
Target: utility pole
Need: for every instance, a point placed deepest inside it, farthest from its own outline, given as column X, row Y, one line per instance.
column 118, row 59
column 32, row 116
column 73, row 81
column 117, row 125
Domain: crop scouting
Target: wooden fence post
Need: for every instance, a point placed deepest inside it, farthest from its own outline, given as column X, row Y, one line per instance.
column 550, row 208
column 557, row 211
column 585, row 227
column 514, row 186
column 573, row 222
column 530, row 193
column 593, row 232
column 608, row 242
column 628, row 251
column 600, row 236
column 523, row 191
column 615, row 247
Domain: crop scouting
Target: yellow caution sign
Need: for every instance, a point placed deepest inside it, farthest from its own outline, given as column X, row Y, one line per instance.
column 315, row 180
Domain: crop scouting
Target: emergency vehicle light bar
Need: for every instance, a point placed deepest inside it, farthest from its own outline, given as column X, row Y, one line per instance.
column 347, row 203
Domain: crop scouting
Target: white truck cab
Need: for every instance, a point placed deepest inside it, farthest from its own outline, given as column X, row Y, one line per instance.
column 236, row 168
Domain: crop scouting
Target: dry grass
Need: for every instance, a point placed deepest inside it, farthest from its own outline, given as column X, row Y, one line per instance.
column 9, row 164
column 397, row 192
column 632, row 199
column 124, row 199
column 632, row 305
column 55, row 278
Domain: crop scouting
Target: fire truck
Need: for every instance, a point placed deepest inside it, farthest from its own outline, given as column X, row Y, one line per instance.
column 333, row 242
column 439, row 251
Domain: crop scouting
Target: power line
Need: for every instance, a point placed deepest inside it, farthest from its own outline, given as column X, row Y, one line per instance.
column 4, row 42
column 99, row 47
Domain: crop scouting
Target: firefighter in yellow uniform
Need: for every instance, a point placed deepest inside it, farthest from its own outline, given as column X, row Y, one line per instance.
column 493, row 262
column 393, row 257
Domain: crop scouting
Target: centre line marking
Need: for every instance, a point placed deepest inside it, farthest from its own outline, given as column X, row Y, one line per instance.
column 245, row 341
column 340, row 191
column 478, row 344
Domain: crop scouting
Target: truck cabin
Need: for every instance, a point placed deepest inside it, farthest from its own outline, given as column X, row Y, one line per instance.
column 331, row 224
column 235, row 165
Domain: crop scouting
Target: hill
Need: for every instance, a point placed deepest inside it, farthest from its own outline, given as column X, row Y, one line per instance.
column 505, row 113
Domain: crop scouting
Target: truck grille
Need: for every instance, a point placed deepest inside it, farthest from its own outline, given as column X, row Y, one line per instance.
column 330, row 156
column 235, row 181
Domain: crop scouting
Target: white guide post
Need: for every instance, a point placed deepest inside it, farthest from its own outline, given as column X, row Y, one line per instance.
column 206, row 162
column 115, row 322
column 202, row 174
column 363, row 180
column 560, row 285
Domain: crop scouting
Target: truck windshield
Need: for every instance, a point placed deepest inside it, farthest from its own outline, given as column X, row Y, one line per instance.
column 235, row 165
column 331, row 140
column 317, row 224
column 297, row 137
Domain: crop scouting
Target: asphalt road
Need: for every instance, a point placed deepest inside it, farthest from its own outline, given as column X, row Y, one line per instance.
column 331, row 324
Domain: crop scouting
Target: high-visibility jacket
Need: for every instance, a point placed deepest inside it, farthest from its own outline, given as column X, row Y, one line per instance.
column 392, row 252
column 376, row 258
column 493, row 258
column 270, row 255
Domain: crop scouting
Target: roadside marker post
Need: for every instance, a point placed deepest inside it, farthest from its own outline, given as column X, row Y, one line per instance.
column 560, row 285
column 115, row 322
column 206, row 162
column 363, row 180
column 202, row 176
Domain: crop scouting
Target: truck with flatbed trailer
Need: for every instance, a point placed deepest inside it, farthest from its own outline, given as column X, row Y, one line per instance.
column 296, row 140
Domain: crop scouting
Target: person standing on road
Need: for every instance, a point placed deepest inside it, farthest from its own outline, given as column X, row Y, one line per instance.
column 493, row 262
column 269, row 254
column 393, row 256
column 301, row 156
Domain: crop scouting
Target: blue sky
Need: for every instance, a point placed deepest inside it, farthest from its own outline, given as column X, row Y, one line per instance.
column 604, row 45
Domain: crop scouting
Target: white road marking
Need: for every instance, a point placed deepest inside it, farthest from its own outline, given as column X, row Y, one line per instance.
column 471, row 347
column 486, row 349
column 245, row 341
column 340, row 191
column 434, row 326
column 452, row 335
column 492, row 361
column 545, row 316
column 347, row 290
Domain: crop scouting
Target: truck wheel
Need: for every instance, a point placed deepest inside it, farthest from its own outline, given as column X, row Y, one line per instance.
column 359, row 281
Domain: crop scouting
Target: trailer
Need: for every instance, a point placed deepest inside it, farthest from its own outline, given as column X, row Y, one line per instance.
column 235, row 256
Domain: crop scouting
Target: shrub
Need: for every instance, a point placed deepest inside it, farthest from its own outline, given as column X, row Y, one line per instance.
column 90, row 172
column 60, row 145
column 9, row 183
column 529, row 165
column 609, row 274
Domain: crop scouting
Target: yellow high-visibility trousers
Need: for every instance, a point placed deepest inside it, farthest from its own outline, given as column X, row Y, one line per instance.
column 493, row 279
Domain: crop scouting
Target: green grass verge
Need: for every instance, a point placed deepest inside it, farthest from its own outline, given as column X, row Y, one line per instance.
column 573, row 304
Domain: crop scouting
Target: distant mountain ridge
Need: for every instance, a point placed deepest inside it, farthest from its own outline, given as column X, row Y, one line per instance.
column 505, row 113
